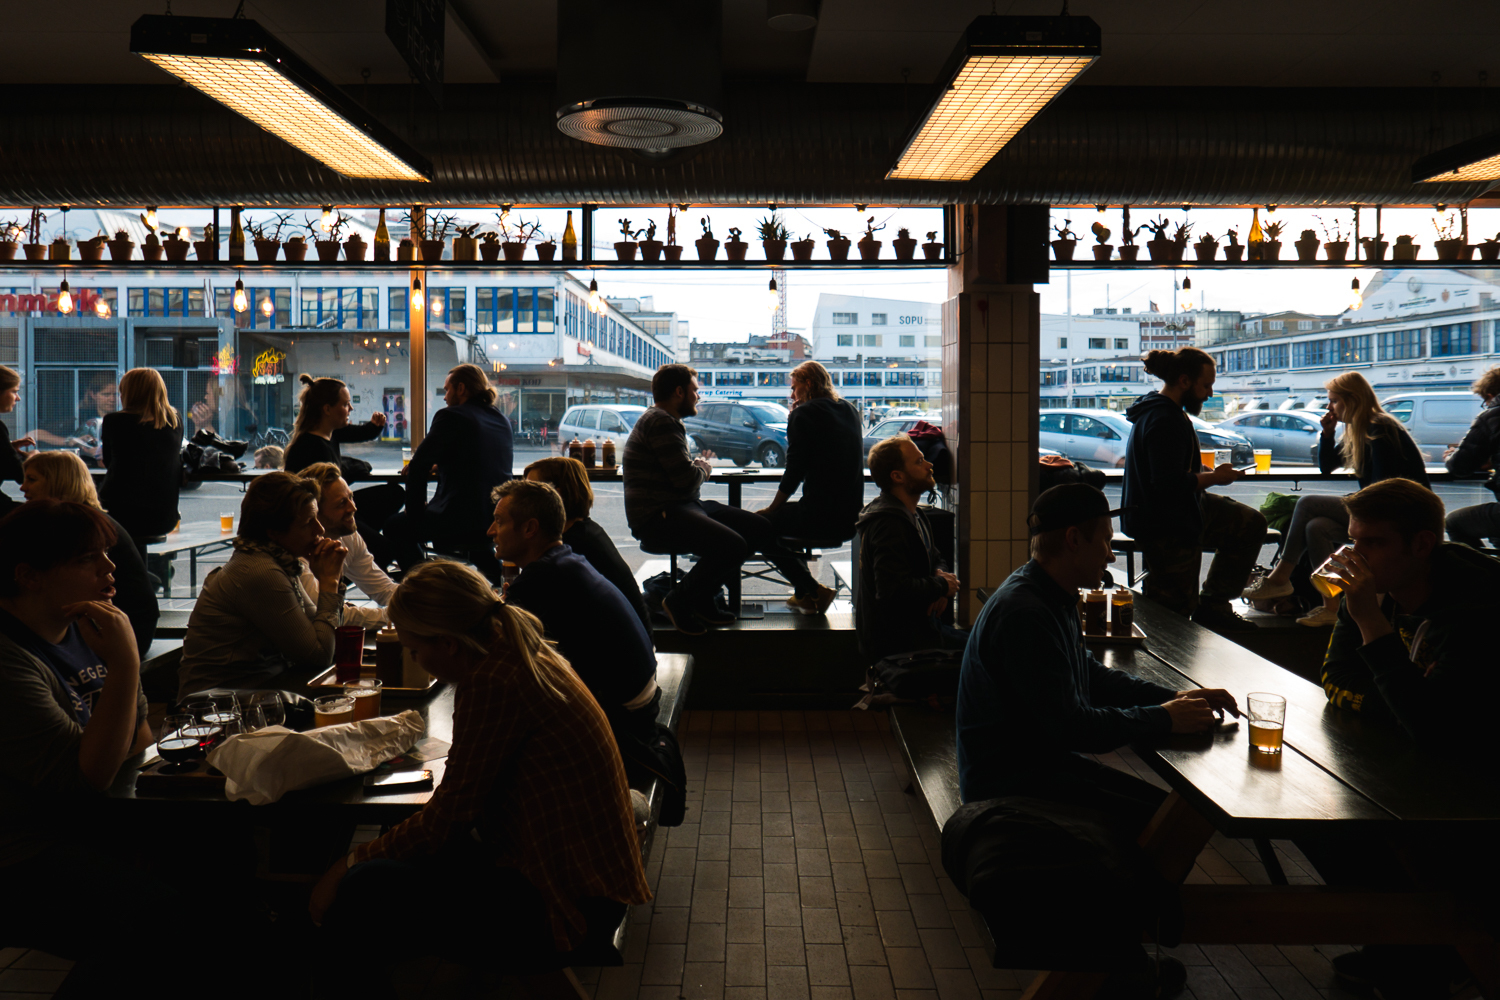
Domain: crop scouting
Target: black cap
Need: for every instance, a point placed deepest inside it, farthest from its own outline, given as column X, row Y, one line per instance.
column 1067, row 505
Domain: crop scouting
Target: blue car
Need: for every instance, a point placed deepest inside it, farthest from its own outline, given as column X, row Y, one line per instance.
column 742, row 431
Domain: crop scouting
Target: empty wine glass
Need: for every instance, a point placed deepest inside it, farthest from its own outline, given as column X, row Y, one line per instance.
column 264, row 708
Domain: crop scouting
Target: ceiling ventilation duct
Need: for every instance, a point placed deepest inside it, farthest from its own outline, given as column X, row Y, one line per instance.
column 642, row 76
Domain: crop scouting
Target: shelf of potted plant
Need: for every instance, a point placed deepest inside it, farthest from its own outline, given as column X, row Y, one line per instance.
column 651, row 247
column 869, row 246
column 1066, row 242
column 773, row 236
column 708, row 247
column 626, row 249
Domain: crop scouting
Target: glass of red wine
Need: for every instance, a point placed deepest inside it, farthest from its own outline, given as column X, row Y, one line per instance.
column 178, row 745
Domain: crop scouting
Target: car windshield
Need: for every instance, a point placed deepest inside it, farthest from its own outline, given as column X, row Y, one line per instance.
column 630, row 417
column 769, row 413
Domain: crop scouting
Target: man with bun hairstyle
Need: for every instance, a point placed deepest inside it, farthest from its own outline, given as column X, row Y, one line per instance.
column 1167, row 508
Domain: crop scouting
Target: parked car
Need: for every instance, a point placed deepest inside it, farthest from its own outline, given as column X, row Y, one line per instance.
column 742, row 431
column 1241, row 452
column 600, row 421
column 1292, row 435
column 1435, row 419
column 1096, row 437
column 887, row 428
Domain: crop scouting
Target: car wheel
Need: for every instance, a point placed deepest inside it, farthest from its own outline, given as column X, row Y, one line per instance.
column 772, row 456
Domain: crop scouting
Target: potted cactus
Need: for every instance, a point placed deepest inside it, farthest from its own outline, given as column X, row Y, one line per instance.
column 355, row 247
column 34, row 248
column 1449, row 244
column 650, row 246
column 489, row 245
column 1234, row 251
column 60, row 248
column 121, row 247
column 92, row 248
column 1335, row 243
column 11, row 235
column 328, row 249
column 904, row 246
column 547, row 249
column 803, row 249
column 708, row 247
column 177, row 245
column 295, row 248
column 773, row 236
column 735, row 248
column 1206, row 248
column 267, row 244
column 1271, row 248
column 672, row 249
column 1374, row 246
column 1307, row 246
column 626, row 248
column 1159, row 246
column 869, row 246
column 465, row 243
column 1066, row 242
column 512, row 239
column 838, row 244
column 1490, row 248
column 208, row 247
column 1180, row 240
column 932, row 249
column 1103, row 249
column 1128, row 250
column 1405, row 249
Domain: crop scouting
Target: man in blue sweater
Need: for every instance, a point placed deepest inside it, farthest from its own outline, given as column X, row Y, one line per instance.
column 1032, row 699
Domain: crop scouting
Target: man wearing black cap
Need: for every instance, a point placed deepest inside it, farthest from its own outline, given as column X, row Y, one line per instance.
column 1032, row 699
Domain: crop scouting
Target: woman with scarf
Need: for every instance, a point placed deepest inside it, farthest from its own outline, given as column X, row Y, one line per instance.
column 253, row 621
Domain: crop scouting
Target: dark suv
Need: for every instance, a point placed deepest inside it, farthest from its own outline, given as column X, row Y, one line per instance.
column 742, row 431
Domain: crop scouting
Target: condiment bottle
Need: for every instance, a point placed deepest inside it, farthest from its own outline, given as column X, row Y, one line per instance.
column 575, row 448
column 588, row 453
column 1095, row 613
column 609, row 454
column 1122, row 612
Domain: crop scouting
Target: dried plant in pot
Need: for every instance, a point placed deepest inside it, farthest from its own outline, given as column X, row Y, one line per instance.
column 12, row 233
column 1449, row 245
column 1405, row 249
column 34, row 248
column 651, row 247
column 432, row 246
column 1103, row 249
column 869, row 246
column 92, row 248
column 1271, row 248
column 708, row 247
column 1374, row 246
column 903, row 245
column 803, row 249
column 121, row 246
column 1128, row 250
column 1234, row 250
column 1206, row 248
column 773, row 236
column 1180, row 240
column 932, row 249
column 295, row 248
column 547, row 249
column 1066, row 242
column 328, row 246
column 1159, row 245
column 672, row 250
column 735, row 248
column 626, row 249
column 489, row 245
column 1335, row 243
column 838, row 244
column 1307, row 246
column 465, row 244
column 208, row 247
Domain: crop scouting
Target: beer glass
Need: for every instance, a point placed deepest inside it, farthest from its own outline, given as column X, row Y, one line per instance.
column 332, row 709
column 348, row 653
column 226, row 522
column 366, row 695
column 1326, row 577
column 1267, row 713
column 1263, row 460
column 1206, row 456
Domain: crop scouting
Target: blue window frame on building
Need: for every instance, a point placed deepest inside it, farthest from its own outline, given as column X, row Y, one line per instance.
column 1399, row 345
column 341, row 308
column 1120, row 373
column 1084, row 375
column 1059, row 377
column 526, row 310
column 1274, row 356
column 1309, row 353
column 1240, row 360
column 1456, row 338
column 256, row 318
column 1349, row 350
column 164, row 302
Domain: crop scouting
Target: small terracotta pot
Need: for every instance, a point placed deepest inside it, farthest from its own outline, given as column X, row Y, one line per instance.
column 1307, row 250
column 546, row 251
column 1337, row 250
column 8, row 249
column 707, row 249
column 266, row 250
column 1405, row 251
column 1270, row 250
column 465, row 248
column 1103, row 252
column 625, row 249
column 432, row 250
column 121, row 249
column 1129, row 253
column 736, row 249
column 328, row 250
column 775, row 249
column 870, row 249
column 355, row 249
column 149, row 251
column 932, row 251
column 1161, row 250
column 1375, row 250
column 1446, row 249
column 651, row 250
column 513, row 251
column 904, row 249
column 294, row 251
column 206, row 249
column 59, row 250
column 90, row 250
column 489, row 250
column 1466, row 252
column 674, row 253
column 1487, row 251
column 1234, row 254
column 177, row 250
column 1206, row 251
column 838, row 249
column 405, row 251
column 1063, row 249
column 803, row 249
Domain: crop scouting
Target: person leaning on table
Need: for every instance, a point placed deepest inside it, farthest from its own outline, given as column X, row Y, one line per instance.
column 253, row 621
column 337, row 513
column 529, row 841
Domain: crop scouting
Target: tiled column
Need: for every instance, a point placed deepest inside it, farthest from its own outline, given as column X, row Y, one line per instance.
column 991, row 350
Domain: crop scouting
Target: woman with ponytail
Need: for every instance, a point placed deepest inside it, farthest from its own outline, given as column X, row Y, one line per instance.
column 533, row 773
column 1375, row 446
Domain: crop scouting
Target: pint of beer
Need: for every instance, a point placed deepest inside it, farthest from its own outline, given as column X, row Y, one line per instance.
column 1326, row 577
column 332, row 709
column 1267, row 713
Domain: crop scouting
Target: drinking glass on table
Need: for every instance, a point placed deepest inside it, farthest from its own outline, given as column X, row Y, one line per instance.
column 366, row 695
column 226, row 521
column 264, row 708
column 1267, row 714
column 1326, row 577
column 333, row 709
column 178, row 745
column 202, row 709
column 1262, row 459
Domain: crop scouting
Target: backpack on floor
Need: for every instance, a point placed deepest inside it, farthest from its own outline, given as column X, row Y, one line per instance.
column 659, row 760
column 925, row 675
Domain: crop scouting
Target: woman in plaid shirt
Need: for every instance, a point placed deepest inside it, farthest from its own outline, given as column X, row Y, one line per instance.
column 530, row 836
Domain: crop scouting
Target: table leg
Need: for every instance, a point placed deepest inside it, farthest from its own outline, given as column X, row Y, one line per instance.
column 736, row 499
column 192, row 571
column 736, row 493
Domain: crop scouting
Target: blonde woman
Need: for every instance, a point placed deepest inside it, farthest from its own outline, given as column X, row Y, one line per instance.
column 824, row 456
column 61, row 475
column 533, row 771
column 11, row 458
column 1375, row 446
column 143, row 456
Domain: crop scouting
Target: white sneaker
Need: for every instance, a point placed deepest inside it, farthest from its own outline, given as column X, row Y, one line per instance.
column 1265, row 590
column 1321, row 618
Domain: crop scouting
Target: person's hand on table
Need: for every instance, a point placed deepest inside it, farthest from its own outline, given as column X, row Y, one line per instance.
column 1218, row 699
column 1360, row 596
column 327, row 561
column 105, row 630
column 327, row 890
column 1190, row 715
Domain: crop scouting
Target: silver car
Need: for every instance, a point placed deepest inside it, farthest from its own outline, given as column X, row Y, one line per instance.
column 1097, row 437
column 1292, row 435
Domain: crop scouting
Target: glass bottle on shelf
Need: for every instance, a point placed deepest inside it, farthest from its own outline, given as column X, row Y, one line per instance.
column 570, row 240
column 382, row 239
column 236, row 238
column 1255, row 246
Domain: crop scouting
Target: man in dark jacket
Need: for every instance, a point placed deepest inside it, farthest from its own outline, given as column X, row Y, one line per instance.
column 1480, row 449
column 824, row 456
column 1032, row 699
column 469, row 443
column 903, row 586
column 1167, row 508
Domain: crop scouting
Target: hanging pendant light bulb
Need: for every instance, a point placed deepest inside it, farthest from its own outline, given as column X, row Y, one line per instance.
column 418, row 300
column 151, row 216
column 775, row 297
column 241, row 303
column 594, row 300
column 326, row 222
column 1187, row 283
column 268, row 306
column 1358, row 298
column 64, row 299
column 101, row 307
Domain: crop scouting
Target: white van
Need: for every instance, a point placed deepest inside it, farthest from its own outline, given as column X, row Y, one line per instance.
column 600, row 421
column 1435, row 419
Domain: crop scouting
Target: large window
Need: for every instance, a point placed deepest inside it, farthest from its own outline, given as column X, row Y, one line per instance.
column 877, row 319
column 1400, row 345
column 1241, row 360
column 1457, row 338
column 1120, row 373
column 256, row 317
column 1085, row 375
column 1096, row 343
column 1057, row 377
column 846, row 319
column 870, row 378
column 1349, row 350
column 846, row 340
column 734, row 378
column 1309, row 353
column 905, row 378
column 341, row 308
column 870, row 339
column 164, row 301
column 447, row 307
column 1272, row 357
column 771, row 378
column 526, row 310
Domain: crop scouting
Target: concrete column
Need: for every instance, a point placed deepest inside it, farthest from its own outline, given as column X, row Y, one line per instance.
column 991, row 349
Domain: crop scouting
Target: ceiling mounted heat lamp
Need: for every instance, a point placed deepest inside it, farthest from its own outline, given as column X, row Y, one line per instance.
column 1474, row 160
column 242, row 66
column 1002, row 73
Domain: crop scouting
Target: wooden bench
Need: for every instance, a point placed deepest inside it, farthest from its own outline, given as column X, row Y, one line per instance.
column 1124, row 543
